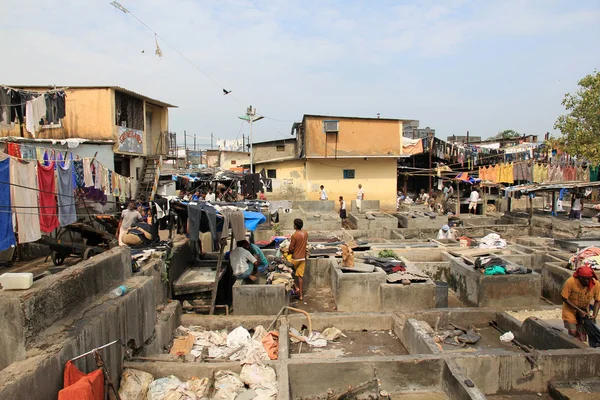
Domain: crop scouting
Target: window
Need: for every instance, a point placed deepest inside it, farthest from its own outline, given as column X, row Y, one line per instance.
column 272, row 173
column 330, row 126
column 129, row 111
column 280, row 147
column 233, row 162
column 348, row 174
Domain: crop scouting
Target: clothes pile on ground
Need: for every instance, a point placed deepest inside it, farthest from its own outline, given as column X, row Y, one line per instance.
column 280, row 274
column 255, row 381
column 492, row 241
column 454, row 335
column 589, row 256
column 314, row 338
column 397, row 271
column 388, row 264
column 491, row 265
column 237, row 345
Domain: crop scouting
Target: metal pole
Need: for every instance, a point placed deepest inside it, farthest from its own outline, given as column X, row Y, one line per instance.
column 211, row 141
column 430, row 172
column 251, row 161
column 185, row 147
column 194, row 144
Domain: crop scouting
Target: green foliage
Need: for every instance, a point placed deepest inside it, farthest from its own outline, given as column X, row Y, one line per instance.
column 278, row 229
column 507, row 134
column 387, row 254
column 580, row 127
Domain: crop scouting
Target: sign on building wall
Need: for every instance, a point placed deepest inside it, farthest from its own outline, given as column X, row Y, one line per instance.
column 131, row 140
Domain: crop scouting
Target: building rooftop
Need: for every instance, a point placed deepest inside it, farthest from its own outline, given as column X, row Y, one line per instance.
column 366, row 118
column 120, row 89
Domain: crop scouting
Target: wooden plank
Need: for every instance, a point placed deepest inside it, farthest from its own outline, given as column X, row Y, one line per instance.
column 474, row 252
column 218, row 276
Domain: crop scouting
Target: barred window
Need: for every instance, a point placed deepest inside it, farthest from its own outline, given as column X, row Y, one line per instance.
column 129, row 111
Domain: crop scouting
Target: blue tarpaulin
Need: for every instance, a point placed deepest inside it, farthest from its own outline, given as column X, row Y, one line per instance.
column 253, row 219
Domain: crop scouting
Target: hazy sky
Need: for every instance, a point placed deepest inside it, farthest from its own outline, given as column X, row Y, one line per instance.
column 482, row 66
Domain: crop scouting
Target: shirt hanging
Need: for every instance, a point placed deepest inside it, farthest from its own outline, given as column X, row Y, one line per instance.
column 35, row 111
column 87, row 173
column 26, row 195
column 78, row 171
column 7, row 234
column 67, row 212
column 47, row 198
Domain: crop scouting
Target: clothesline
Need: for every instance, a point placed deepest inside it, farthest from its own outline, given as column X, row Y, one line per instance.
column 32, row 92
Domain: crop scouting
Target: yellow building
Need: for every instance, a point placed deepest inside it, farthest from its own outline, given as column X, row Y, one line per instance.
column 338, row 153
column 135, row 125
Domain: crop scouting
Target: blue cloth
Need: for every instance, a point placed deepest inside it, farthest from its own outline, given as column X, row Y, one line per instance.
column 257, row 252
column 195, row 198
column 253, row 219
column 562, row 193
column 7, row 234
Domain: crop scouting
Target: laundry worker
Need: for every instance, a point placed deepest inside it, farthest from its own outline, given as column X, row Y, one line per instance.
column 446, row 233
column 262, row 196
column 298, row 243
column 343, row 213
column 448, row 191
column 128, row 217
column 360, row 194
column 263, row 263
column 323, row 195
column 423, row 197
column 243, row 263
column 578, row 293
column 197, row 196
column 576, row 206
column 210, row 196
column 473, row 199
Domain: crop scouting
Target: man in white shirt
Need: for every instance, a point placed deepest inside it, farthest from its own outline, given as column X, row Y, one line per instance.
column 473, row 199
column 446, row 233
column 243, row 263
column 423, row 197
column 210, row 196
column 360, row 196
column 323, row 193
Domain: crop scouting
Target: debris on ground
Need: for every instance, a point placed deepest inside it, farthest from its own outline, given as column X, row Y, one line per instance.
column 134, row 384
column 455, row 335
column 507, row 337
column 316, row 339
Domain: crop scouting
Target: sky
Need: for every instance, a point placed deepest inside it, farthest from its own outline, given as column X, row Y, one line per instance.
column 481, row 66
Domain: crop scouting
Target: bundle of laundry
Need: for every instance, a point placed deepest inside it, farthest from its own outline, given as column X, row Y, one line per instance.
column 389, row 265
column 141, row 234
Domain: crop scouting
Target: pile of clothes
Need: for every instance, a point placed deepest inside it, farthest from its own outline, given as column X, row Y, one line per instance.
column 491, row 265
column 280, row 274
column 492, row 241
column 589, row 256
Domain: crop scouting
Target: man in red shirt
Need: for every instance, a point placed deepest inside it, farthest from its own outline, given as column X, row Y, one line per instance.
column 298, row 243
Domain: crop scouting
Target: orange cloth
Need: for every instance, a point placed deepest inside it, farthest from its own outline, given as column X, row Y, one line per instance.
column 79, row 386
column 271, row 344
column 578, row 295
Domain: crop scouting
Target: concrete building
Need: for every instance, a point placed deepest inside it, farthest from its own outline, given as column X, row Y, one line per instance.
column 228, row 160
column 464, row 139
column 411, row 130
column 338, row 153
column 137, row 126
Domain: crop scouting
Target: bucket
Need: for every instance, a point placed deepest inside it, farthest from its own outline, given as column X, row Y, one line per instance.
column 441, row 294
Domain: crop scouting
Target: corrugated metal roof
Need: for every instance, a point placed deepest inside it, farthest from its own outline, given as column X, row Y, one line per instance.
column 126, row 91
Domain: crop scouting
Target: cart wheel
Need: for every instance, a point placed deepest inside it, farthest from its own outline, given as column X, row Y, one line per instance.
column 57, row 258
column 89, row 253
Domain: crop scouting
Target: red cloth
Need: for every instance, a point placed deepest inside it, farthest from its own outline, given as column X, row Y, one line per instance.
column 13, row 149
column 79, row 386
column 47, row 198
column 586, row 272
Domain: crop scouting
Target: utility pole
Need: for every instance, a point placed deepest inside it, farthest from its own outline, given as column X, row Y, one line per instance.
column 251, row 117
column 185, row 148
column 430, row 150
column 194, row 144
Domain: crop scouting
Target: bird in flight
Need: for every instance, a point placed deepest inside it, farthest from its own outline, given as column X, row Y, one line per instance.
column 225, row 92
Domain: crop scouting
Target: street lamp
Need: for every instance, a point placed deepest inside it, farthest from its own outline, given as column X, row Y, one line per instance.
column 251, row 117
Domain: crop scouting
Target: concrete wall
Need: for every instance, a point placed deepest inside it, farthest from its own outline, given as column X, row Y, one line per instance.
column 554, row 276
column 377, row 175
column 12, row 345
column 399, row 297
column 318, row 273
column 290, row 183
column 255, row 299
column 357, row 291
column 384, row 137
column 366, row 205
column 88, row 116
column 274, row 151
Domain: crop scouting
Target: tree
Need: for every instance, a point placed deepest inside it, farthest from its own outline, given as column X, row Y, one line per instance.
column 507, row 134
column 581, row 126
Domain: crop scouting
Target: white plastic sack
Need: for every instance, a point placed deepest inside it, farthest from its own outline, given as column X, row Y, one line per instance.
column 134, row 384
column 159, row 388
column 315, row 340
column 238, row 337
column 331, row 334
column 254, row 352
column 260, row 378
column 227, row 385
column 259, row 333
column 507, row 337
column 201, row 387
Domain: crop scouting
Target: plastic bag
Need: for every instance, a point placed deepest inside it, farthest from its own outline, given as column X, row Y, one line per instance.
column 238, row 337
column 260, row 378
column 507, row 337
column 134, row 384
column 227, row 385
column 158, row 389
column 271, row 344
